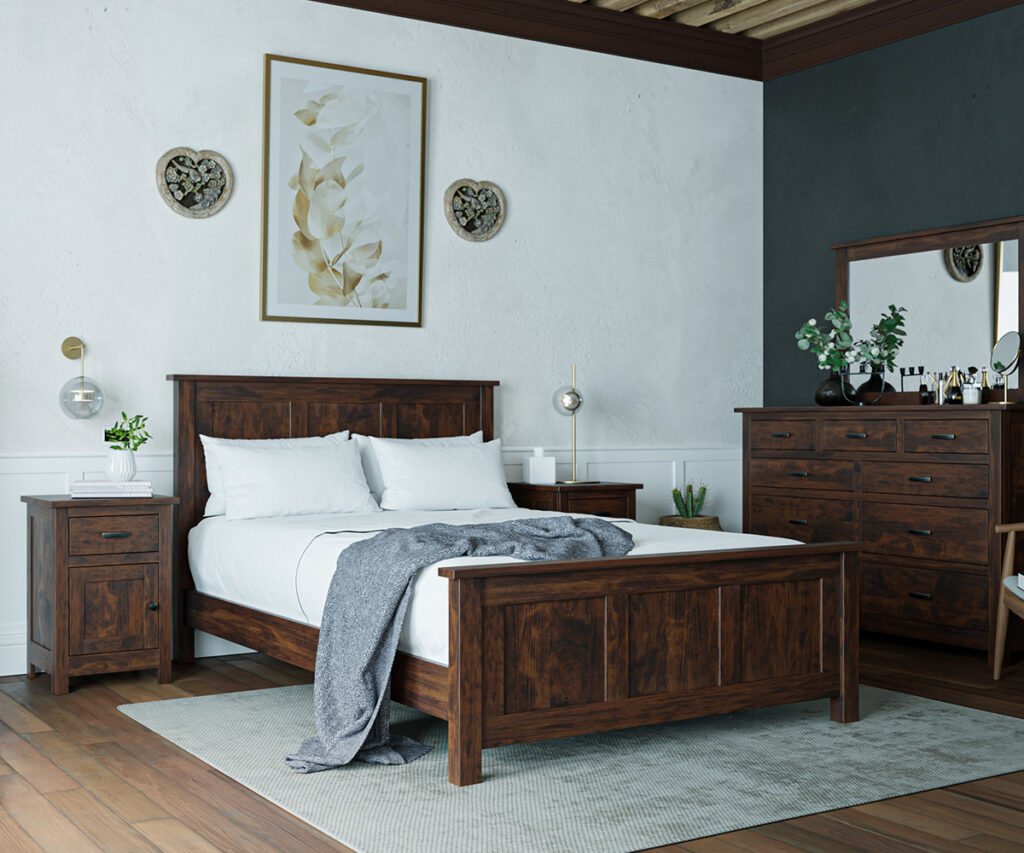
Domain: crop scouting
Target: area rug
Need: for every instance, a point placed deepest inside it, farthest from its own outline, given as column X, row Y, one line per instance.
column 613, row 792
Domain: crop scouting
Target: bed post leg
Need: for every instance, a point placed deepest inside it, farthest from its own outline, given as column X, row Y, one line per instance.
column 846, row 706
column 186, row 633
column 465, row 684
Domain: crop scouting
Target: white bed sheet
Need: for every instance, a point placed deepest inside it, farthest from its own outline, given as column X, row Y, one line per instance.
column 284, row 565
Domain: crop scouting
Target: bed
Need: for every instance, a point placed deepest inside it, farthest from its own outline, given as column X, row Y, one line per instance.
column 541, row 650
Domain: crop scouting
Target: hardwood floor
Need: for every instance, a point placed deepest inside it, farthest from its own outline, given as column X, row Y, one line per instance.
column 76, row 775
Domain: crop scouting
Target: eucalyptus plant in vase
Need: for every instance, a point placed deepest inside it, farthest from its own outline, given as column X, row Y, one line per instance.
column 880, row 349
column 835, row 350
column 125, row 437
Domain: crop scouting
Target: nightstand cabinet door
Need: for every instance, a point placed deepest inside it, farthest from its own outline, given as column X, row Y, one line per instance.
column 109, row 608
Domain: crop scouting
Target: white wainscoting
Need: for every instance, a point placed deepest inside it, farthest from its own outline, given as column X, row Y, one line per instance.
column 660, row 469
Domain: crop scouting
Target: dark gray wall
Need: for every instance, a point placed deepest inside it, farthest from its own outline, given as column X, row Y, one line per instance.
column 919, row 134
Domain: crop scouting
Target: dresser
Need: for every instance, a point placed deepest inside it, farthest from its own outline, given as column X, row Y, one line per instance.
column 920, row 487
column 99, row 586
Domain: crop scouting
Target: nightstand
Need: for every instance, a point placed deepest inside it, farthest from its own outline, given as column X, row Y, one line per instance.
column 617, row 500
column 99, row 586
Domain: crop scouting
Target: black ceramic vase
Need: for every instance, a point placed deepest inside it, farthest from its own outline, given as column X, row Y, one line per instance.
column 830, row 392
column 875, row 384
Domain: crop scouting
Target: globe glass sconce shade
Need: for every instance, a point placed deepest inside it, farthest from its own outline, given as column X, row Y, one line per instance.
column 567, row 400
column 80, row 397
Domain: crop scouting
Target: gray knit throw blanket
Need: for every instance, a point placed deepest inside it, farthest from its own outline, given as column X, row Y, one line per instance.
column 365, row 609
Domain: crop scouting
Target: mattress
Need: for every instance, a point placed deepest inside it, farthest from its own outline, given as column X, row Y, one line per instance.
column 284, row 565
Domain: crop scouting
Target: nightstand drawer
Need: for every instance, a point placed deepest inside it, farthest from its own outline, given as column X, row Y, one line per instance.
column 113, row 534
column 615, row 506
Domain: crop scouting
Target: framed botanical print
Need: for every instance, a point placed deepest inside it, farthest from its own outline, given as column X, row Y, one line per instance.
column 343, row 153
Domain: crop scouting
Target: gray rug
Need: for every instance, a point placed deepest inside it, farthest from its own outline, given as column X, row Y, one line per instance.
column 619, row 791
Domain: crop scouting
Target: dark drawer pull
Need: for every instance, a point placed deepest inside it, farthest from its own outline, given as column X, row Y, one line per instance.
column 117, row 534
column 798, row 521
column 856, row 435
column 917, row 531
column 943, row 436
column 153, row 605
column 799, row 474
column 780, row 435
column 920, row 479
column 924, row 596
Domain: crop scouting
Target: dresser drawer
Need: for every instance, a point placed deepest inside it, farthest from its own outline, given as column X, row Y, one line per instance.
column 945, row 436
column 782, row 435
column 806, row 519
column 925, row 479
column 934, row 532
column 874, row 435
column 924, row 595
column 113, row 534
column 802, row 473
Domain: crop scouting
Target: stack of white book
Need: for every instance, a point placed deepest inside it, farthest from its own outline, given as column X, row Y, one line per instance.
column 105, row 489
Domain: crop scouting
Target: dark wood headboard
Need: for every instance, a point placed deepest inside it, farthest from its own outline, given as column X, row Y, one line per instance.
column 291, row 407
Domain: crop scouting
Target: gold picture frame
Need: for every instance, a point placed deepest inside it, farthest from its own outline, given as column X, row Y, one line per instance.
column 343, row 189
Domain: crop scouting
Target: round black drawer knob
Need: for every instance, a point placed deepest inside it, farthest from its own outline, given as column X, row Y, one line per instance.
column 153, row 605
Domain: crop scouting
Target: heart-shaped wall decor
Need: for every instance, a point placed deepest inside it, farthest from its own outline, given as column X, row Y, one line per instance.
column 474, row 210
column 194, row 183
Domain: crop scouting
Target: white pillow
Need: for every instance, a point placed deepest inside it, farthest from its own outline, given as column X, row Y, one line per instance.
column 273, row 481
column 423, row 476
column 371, row 468
column 214, row 480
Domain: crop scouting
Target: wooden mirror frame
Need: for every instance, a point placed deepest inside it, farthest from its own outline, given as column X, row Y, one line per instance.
column 993, row 231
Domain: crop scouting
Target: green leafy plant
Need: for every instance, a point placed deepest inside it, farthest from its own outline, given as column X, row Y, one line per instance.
column 884, row 341
column 834, row 347
column 690, row 504
column 127, row 433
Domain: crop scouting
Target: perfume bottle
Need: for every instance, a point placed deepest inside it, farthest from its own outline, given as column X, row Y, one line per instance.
column 954, row 391
column 924, row 394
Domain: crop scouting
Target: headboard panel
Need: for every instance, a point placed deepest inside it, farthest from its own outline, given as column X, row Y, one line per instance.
column 288, row 407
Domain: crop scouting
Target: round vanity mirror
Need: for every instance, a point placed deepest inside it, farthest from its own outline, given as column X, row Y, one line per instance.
column 1006, row 352
column 1005, row 355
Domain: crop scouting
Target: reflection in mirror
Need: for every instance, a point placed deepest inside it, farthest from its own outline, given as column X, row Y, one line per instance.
column 1007, row 293
column 947, row 321
column 1005, row 355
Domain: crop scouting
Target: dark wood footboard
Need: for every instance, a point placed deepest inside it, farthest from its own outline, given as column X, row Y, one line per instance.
column 546, row 650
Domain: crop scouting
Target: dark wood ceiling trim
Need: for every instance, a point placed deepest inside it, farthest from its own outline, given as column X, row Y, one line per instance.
column 881, row 23
column 585, row 27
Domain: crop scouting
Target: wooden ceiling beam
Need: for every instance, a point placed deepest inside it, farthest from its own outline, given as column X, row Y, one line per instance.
column 663, row 8
column 616, row 5
column 712, row 10
column 761, row 14
column 585, row 27
column 810, row 15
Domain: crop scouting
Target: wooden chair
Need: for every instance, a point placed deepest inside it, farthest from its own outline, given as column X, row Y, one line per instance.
column 1011, row 596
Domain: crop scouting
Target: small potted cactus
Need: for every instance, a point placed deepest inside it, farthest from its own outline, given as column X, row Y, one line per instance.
column 689, row 504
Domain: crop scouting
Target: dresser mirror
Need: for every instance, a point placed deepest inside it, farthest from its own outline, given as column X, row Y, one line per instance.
column 948, row 322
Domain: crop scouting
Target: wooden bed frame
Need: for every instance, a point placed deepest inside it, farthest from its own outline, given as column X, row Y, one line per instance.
column 543, row 650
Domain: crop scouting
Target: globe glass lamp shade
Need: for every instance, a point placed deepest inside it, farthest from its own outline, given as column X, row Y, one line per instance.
column 567, row 400
column 81, row 397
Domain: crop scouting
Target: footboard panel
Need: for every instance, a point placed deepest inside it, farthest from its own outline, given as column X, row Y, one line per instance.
column 549, row 650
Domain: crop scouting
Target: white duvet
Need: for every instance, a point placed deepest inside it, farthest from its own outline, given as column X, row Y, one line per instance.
column 284, row 565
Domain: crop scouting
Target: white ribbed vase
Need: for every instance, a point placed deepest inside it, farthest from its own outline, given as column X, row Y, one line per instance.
column 121, row 466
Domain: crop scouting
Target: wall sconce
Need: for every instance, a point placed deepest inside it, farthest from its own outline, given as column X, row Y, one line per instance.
column 80, row 396
column 568, row 401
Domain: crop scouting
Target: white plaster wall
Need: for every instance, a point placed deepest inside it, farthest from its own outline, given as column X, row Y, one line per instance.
column 632, row 245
